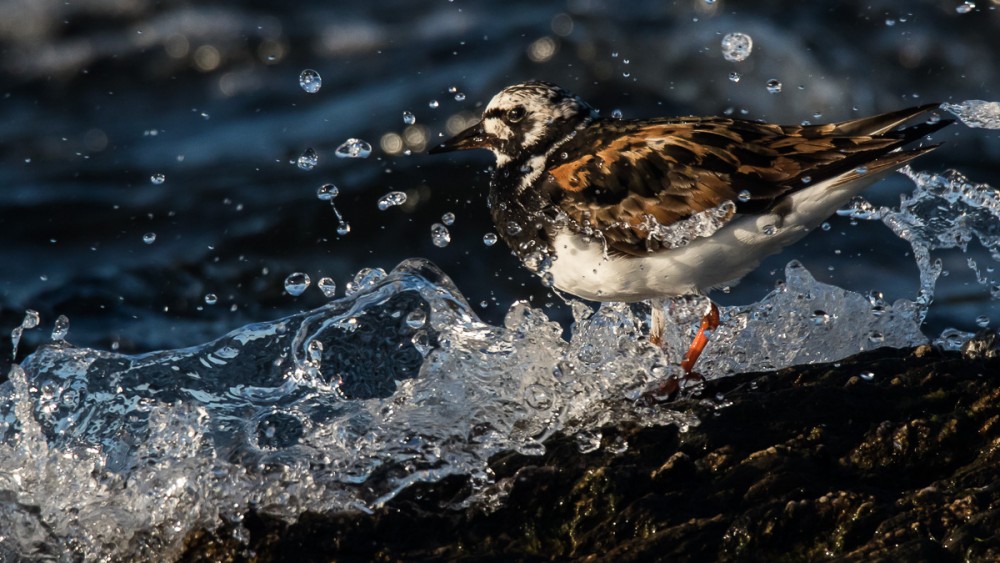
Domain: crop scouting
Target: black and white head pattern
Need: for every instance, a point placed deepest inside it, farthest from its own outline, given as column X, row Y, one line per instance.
column 528, row 120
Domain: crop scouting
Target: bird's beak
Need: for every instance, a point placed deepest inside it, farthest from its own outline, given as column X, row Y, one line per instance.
column 472, row 138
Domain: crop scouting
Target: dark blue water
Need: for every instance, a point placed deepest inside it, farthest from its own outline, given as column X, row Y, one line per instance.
column 96, row 98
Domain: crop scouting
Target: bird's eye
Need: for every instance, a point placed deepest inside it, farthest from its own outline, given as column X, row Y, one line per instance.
column 516, row 114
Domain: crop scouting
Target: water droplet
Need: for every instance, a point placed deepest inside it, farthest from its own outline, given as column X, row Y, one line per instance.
column 774, row 86
column 327, row 286
column 825, row 226
column 211, row 299
column 391, row 199
column 616, row 113
column 735, row 76
column 343, row 228
column 310, row 81
column 440, row 235
column 61, row 327
column 433, row 104
column 327, row 192
column 489, row 239
column 354, row 148
column 459, row 97
column 965, row 7
column 416, row 319
column 769, row 230
column 31, row 319
column 807, row 179
column 409, row 118
column 296, row 283
column 736, row 47
column 149, row 238
column 743, row 196
column 982, row 321
column 157, row 179
column 308, row 160
column 513, row 228
column 448, row 219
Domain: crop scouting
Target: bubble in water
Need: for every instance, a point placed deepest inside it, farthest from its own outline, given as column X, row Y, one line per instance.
column 416, row 319
column 433, row 104
column 354, row 148
column 440, row 235
column 616, row 113
column 327, row 192
column 327, row 286
column 157, row 179
column 448, row 218
column 735, row 76
column 489, row 239
column 61, row 328
column 149, row 238
column 391, row 199
column 296, row 283
column 965, row 7
column 310, row 81
column 982, row 321
column 459, row 97
column 820, row 317
column 774, row 85
column 867, row 376
column 769, row 230
column 343, row 228
column 308, row 160
column 513, row 228
column 736, row 47
column 211, row 299
column 409, row 118
column 538, row 396
column 743, row 196
column 825, row 226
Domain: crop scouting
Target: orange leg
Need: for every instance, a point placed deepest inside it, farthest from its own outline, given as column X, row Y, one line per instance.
column 708, row 323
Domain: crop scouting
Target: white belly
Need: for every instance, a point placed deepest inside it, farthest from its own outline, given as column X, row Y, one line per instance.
column 583, row 269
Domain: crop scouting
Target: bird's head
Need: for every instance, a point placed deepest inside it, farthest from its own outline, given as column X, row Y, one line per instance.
column 522, row 121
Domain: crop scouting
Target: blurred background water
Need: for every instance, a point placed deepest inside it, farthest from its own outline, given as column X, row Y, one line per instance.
column 148, row 149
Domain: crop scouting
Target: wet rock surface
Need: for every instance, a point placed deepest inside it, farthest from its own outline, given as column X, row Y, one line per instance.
column 888, row 455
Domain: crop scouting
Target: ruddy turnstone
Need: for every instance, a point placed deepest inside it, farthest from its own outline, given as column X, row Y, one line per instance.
column 630, row 210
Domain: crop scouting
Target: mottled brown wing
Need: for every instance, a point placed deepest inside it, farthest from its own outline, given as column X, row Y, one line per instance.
column 626, row 173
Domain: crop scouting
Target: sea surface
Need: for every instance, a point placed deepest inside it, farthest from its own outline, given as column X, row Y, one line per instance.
column 165, row 172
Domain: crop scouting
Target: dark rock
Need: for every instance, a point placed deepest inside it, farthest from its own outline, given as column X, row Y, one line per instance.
column 807, row 463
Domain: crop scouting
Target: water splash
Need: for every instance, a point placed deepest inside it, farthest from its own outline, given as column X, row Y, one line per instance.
column 30, row 321
column 976, row 113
